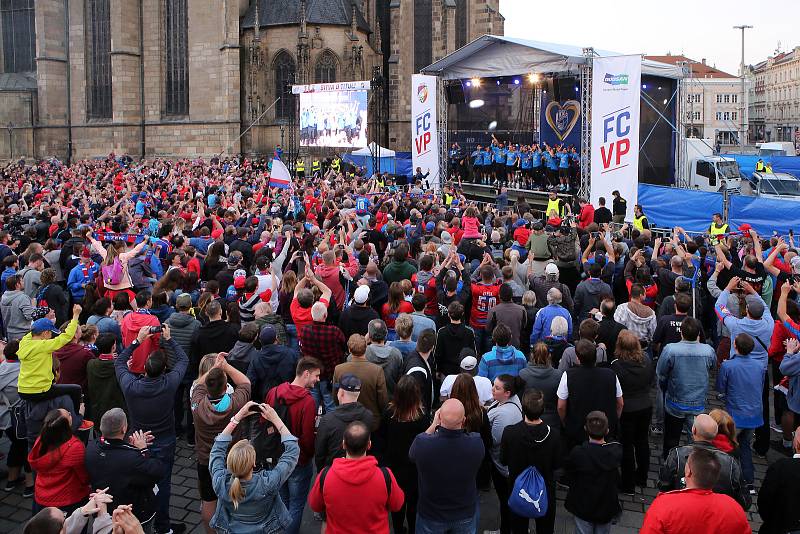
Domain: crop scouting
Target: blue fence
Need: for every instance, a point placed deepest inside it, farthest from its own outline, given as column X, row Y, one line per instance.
column 766, row 215
column 668, row 207
column 747, row 164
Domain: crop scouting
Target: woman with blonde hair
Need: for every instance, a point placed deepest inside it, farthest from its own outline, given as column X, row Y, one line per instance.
column 726, row 433
column 117, row 280
column 248, row 502
column 635, row 374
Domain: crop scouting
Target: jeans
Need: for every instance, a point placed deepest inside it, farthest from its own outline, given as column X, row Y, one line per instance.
column 294, row 493
column 163, row 448
column 56, row 390
column 658, row 413
column 673, row 428
column 746, row 453
column 461, row 526
column 635, row 448
column 291, row 336
column 585, row 527
column 763, row 433
column 323, row 394
column 483, row 341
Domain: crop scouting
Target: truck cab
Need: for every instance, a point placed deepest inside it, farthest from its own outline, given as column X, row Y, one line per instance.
column 714, row 173
column 775, row 185
column 777, row 148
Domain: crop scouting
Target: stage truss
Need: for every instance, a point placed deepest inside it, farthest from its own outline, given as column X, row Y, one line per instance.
column 586, row 123
column 441, row 124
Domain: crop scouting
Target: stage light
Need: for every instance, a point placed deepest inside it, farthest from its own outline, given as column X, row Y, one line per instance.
column 492, row 125
column 476, row 82
column 498, row 82
column 644, row 86
column 576, row 88
column 659, row 87
column 469, row 83
column 533, row 77
column 516, row 81
column 477, row 103
column 665, row 101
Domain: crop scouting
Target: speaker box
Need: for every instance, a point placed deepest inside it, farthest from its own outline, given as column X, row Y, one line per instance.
column 454, row 94
column 565, row 89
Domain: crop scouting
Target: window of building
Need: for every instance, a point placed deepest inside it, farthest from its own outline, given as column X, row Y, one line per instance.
column 423, row 34
column 284, row 78
column 98, row 44
column 719, row 99
column 734, row 115
column 325, row 71
column 727, row 99
column 176, row 75
column 461, row 23
column 734, row 98
column 19, row 35
column 697, row 115
column 719, row 115
column 726, row 116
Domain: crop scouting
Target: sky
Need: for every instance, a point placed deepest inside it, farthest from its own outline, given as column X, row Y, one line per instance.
column 695, row 28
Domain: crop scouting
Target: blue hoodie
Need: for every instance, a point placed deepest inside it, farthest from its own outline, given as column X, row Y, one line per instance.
column 502, row 360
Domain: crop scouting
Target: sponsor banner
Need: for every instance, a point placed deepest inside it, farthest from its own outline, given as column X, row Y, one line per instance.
column 424, row 136
column 327, row 87
column 616, row 90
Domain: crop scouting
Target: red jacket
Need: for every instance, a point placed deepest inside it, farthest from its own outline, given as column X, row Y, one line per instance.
column 329, row 274
column 61, row 477
column 355, row 499
column 694, row 511
column 586, row 216
column 130, row 326
column 302, row 411
column 777, row 350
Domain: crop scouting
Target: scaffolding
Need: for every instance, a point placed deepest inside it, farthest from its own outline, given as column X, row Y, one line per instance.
column 441, row 124
column 586, row 122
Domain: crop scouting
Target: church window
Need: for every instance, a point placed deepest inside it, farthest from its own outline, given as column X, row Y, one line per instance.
column 98, row 43
column 325, row 71
column 284, row 78
column 176, row 90
column 19, row 35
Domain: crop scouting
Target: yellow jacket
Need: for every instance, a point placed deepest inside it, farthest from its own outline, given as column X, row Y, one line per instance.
column 36, row 359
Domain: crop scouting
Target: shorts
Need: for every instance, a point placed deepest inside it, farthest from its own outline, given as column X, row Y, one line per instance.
column 563, row 172
column 499, row 168
column 204, row 484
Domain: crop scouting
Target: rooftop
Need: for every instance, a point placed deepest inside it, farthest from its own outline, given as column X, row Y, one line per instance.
column 284, row 12
column 699, row 68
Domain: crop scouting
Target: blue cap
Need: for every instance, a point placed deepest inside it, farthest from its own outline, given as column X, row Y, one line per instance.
column 429, row 226
column 43, row 325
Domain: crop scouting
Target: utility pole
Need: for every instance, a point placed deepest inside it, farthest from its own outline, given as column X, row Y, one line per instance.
column 743, row 134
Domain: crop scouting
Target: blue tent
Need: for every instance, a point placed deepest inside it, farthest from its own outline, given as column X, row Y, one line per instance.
column 364, row 158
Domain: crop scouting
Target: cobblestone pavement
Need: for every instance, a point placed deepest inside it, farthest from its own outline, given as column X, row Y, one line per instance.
column 15, row 510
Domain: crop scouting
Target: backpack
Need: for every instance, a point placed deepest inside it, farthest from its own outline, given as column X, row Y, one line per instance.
column 41, row 301
column 528, row 497
column 386, row 478
column 112, row 274
column 19, row 426
column 266, row 439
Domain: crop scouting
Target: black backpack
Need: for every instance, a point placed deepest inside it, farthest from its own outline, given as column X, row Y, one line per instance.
column 266, row 439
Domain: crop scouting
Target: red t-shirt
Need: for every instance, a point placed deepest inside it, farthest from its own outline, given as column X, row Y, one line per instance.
column 484, row 298
column 389, row 317
column 302, row 316
column 429, row 290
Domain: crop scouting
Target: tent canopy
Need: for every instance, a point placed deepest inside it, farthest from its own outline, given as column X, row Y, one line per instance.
column 373, row 149
column 495, row 55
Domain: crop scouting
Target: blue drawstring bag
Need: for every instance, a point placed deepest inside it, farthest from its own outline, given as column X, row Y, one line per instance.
column 529, row 496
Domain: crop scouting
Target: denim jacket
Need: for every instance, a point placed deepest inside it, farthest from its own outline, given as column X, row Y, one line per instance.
column 261, row 510
column 682, row 372
column 790, row 366
column 741, row 381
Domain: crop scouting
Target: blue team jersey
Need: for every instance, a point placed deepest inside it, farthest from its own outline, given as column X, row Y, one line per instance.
column 487, row 158
column 552, row 161
column 499, row 154
column 477, row 157
column 362, row 205
column 525, row 160
column 511, row 157
column 574, row 156
column 563, row 160
column 537, row 159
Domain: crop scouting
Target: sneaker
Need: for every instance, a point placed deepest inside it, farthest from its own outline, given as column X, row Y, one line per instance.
column 776, row 428
column 751, row 489
column 86, row 425
column 656, row 429
column 628, row 492
column 177, row 528
column 27, row 492
column 11, row 484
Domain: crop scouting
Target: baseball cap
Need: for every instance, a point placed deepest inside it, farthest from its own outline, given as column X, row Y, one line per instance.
column 468, row 363
column 755, row 306
column 429, row 226
column 551, row 268
column 745, row 227
column 43, row 325
column 268, row 335
column 234, row 258
column 350, row 383
column 538, row 226
column 238, row 282
column 361, row 294
column 239, row 272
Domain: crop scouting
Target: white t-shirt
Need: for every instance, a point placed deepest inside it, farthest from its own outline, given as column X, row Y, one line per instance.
column 483, row 385
column 563, row 391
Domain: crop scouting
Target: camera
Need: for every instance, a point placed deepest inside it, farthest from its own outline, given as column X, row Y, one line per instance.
column 156, row 329
column 256, row 408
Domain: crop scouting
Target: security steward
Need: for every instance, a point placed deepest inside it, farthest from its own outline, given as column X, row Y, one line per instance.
column 300, row 168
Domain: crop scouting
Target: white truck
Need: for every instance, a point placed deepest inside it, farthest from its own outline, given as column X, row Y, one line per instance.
column 779, row 185
column 707, row 172
column 777, row 148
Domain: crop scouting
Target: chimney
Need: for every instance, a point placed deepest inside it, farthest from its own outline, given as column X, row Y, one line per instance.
column 703, row 61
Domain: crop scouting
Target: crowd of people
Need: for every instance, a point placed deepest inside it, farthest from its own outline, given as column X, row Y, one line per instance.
column 383, row 355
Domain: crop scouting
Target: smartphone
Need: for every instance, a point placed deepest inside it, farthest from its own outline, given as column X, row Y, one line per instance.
column 156, row 329
column 256, row 408
column 203, row 285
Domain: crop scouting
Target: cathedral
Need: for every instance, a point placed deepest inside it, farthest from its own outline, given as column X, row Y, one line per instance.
column 186, row 78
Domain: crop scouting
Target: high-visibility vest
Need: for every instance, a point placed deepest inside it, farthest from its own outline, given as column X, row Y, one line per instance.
column 714, row 232
column 638, row 222
column 315, row 166
column 380, row 182
column 760, row 166
column 300, row 166
column 335, row 164
column 448, row 198
column 556, row 205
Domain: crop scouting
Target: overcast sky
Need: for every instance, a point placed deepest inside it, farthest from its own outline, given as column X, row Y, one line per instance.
column 697, row 28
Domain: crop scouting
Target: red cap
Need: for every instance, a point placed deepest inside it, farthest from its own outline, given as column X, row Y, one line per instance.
column 255, row 220
column 238, row 282
column 216, row 233
column 85, row 253
column 266, row 296
column 745, row 227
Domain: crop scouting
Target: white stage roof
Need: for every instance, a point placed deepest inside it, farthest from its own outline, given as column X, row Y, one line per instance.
column 494, row 55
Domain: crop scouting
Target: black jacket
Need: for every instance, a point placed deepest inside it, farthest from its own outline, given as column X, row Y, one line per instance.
column 635, row 380
column 450, row 340
column 593, row 474
column 246, row 248
column 423, row 373
column 271, row 366
column 127, row 472
column 354, row 320
column 525, row 445
column 328, row 444
column 216, row 336
column 730, row 480
column 779, row 496
column 608, row 332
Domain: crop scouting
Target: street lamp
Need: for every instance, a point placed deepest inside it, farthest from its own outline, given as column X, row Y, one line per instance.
column 10, row 141
column 743, row 133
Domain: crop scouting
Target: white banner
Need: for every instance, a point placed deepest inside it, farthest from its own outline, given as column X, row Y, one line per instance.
column 616, row 89
column 424, row 135
column 327, row 87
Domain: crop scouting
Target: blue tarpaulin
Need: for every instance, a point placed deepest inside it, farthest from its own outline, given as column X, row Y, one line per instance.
column 766, row 215
column 747, row 164
column 668, row 207
column 404, row 165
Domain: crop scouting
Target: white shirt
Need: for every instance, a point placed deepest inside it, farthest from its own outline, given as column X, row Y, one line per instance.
column 483, row 385
column 563, row 391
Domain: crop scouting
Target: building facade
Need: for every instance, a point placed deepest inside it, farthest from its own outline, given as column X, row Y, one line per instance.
column 176, row 78
column 775, row 102
column 714, row 101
